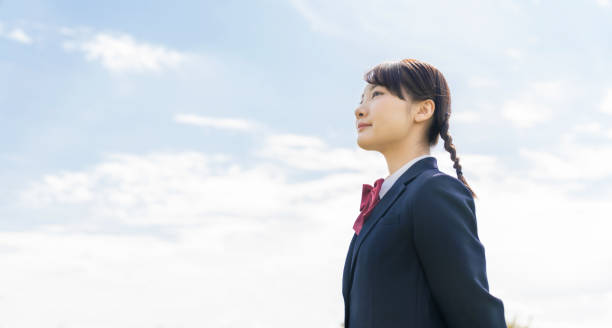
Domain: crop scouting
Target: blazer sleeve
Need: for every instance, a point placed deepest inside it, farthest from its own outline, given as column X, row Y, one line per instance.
column 452, row 256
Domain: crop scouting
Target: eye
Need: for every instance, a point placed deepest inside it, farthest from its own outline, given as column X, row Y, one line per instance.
column 373, row 93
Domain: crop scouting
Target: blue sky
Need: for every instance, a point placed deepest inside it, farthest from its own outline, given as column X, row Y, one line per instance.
column 195, row 164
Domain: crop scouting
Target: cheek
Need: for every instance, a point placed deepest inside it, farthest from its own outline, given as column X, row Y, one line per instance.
column 391, row 117
column 393, row 128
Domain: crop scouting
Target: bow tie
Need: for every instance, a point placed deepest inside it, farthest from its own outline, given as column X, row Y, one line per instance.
column 369, row 199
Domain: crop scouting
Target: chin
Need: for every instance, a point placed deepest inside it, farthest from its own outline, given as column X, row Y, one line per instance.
column 364, row 144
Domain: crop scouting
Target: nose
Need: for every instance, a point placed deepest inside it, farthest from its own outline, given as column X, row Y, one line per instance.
column 359, row 112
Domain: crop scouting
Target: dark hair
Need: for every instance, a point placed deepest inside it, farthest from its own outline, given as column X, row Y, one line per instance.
column 421, row 81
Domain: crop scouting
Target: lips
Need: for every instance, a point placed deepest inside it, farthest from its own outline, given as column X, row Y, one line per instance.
column 362, row 125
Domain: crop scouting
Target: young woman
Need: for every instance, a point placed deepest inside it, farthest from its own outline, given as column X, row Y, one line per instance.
column 415, row 260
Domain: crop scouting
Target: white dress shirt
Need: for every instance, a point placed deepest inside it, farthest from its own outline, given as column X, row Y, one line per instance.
column 390, row 180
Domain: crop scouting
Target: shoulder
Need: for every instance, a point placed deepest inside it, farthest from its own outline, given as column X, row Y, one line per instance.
column 439, row 191
column 441, row 198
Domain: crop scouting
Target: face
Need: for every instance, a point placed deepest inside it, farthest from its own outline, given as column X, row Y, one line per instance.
column 388, row 117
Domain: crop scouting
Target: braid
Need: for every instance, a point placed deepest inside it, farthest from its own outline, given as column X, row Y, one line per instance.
column 448, row 145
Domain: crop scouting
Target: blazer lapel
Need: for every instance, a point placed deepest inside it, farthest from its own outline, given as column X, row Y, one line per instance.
column 389, row 198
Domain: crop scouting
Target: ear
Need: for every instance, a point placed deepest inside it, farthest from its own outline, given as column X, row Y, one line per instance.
column 424, row 110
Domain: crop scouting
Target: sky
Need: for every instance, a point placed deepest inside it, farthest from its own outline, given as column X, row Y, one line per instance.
column 195, row 164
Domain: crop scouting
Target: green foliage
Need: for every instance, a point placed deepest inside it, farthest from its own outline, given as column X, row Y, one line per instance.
column 513, row 324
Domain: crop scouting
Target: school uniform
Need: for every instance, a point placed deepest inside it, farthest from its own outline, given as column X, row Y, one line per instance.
column 417, row 261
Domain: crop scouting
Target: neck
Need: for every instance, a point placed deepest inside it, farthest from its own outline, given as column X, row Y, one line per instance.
column 402, row 153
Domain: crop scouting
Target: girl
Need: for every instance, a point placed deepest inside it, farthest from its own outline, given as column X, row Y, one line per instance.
column 415, row 259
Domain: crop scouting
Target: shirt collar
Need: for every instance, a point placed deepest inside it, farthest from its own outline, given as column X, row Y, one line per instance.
column 390, row 180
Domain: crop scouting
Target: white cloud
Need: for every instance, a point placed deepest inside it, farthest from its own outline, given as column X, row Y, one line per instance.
column 578, row 158
column 589, row 129
column 20, row 36
column 539, row 230
column 16, row 34
column 243, row 234
column 515, row 53
column 121, row 53
column 312, row 153
column 536, row 103
column 215, row 122
column 466, row 117
column 593, row 128
column 570, row 160
column 179, row 188
column 539, row 239
column 603, row 3
column 606, row 102
column 525, row 114
column 234, row 235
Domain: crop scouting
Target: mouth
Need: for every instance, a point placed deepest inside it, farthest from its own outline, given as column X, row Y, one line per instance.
column 363, row 127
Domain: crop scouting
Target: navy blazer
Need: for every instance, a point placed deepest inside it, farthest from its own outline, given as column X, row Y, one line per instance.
column 418, row 262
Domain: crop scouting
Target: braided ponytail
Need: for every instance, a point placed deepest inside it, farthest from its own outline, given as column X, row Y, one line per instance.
column 448, row 145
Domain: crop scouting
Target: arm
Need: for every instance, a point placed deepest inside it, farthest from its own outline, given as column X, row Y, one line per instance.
column 452, row 256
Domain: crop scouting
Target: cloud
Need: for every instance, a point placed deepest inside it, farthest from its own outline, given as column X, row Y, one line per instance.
column 312, row 153
column 578, row 158
column 606, row 102
column 466, row 117
column 515, row 53
column 588, row 129
column 538, row 228
column 242, row 233
column 214, row 122
column 19, row 35
column 239, row 234
column 525, row 114
column 537, row 103
column 572, row 160
column 180, row 188
column 16, row 34
column 200, row 278
column 539, row 239
column 121, row 53
column 603, row 3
